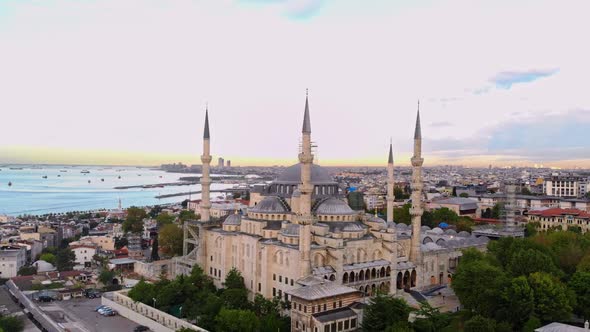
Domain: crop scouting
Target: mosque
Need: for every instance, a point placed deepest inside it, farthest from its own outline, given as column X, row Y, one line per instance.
column 299, row 232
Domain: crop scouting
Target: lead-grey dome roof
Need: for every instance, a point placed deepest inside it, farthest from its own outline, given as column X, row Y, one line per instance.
column 333, row 206
column 271, row 204
column 234, row 219
column 292, row 175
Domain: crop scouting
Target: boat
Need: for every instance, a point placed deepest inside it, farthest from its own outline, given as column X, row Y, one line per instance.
column 9, row 184
column 85, row 171
column 59, row 175
column 63, row 170
column 119, row 176
column 102, row 180
column 16, row 168
column 88, row 181
column 44, row 176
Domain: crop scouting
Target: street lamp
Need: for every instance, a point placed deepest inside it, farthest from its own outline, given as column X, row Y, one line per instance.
column 153, row 298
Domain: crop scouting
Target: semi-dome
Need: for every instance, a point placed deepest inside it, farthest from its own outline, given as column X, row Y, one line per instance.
column 333, row 206
column 271, row 204
column 234, row 219
column 43, row 266
column 353, row 227
column 292, row 175
column 290, row 229
column 464, row 234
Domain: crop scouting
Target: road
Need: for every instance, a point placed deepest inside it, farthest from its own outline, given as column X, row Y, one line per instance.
column 8, row 307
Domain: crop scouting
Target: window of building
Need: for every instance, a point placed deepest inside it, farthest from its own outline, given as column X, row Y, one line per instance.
column 346, row 324
column 325, row 307
column 259, row 287
column 326, row 328
column 339, row 326
column 286, row 281
column 353, row 323
column 340, row 304
column 304, row 309
column 333, row 305
column 274, row 291
column 280, row 293
column 291, row 282
column 274, row 276
column 280, row 278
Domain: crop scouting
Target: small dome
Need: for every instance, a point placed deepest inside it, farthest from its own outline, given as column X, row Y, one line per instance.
column 290, row 229
column 391, row 224
column 43, row 266
column 431, row 246
column 401, row 226
column 271, row 204
column 450, row 232
column 483, row 239
column 464, row 234
column 353, row 227
column 292, row 175
column 333, row 206
column 234, row 219
column 425, row 228
column 437, row 230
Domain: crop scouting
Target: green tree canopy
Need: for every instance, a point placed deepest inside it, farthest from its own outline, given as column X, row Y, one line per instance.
column 65, row 259
column 232, row 320
column 479, row 323
column 134, row 221
column 143, row 292
column 187, row 215
column 384, row 311
column 580, row 284
column 164, row 219
column 234, row 279
column 170, row 239
column 106, row 277
column 12, row 324
column 48, row 257
column 551, row 297
column 519, row 302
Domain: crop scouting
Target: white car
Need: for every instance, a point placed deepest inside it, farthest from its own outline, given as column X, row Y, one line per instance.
column 103, row 310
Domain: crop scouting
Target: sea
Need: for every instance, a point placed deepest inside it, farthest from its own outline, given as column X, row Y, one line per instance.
column 37, row 190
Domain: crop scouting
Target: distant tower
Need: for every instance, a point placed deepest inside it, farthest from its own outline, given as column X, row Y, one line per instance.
column 390, row 185
column 416, row 209
column 304, row 218
column 228, row 163
column 220, row 162
column 120, row 208
column 510, row 205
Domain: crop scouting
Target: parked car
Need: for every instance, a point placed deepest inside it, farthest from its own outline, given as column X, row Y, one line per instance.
column 102, row 310
column 92, row 293
column 109, row 313
column 141, row 328
column 44, row 298
column 100, row 307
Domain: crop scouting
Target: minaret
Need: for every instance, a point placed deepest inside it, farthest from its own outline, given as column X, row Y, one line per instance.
column 390, row 184
column 416, row 209
column 304, row 217
column 205, row 179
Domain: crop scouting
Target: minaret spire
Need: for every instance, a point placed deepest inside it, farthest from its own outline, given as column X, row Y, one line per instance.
column 416, row 210
column 206, row 130
column 390, row 184
column 304, row 217
column 306, row 121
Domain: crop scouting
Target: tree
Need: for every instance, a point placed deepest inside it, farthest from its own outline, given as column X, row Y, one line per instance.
column 235, row 298
column 464, row 195
column 143, row 292
column 154, row 256
column 399, row 193
column 187, row 215
column 525, row 262
column 237, row 321
column 106, row 277
column 478, row 283
column 101, row 261
column 234, row 279
column 430, row 319
column 120, row 242
column 479, row 323
column 27, row 271
column 551, row 297
column 170, row 239
column 519, row 301
column 403, row 214
column 49, row 258
column 384, row 311
column 134, row 221
column 12, row 324
column 445, row 214
column 65, row 259
column 497, row 211
column 580, row 284
column 532, row 324
column 164, row 219
column 525, row 191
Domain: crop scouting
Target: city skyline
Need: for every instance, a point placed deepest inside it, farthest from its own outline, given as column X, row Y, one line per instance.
column 127, row 83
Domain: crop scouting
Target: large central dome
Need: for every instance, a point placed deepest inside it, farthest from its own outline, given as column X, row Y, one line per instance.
column 292, row 175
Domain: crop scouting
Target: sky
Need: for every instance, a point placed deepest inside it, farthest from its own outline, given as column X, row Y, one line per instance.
column 500, row 82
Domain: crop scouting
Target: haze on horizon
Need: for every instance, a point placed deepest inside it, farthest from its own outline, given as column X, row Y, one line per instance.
column 126, row 82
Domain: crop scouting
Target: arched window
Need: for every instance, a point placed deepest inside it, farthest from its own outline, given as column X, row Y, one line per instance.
column 345, row 278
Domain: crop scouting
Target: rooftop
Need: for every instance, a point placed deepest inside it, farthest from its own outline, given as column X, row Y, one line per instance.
column 319, row 291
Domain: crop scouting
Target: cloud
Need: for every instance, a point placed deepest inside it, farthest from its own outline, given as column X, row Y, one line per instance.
column 441, row 124
column 294, row 9
column 506, row 79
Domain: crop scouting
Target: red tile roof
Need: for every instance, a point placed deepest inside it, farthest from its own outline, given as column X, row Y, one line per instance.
column 558, row 212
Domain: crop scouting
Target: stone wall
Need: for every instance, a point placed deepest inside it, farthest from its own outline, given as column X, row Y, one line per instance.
column 156, row 320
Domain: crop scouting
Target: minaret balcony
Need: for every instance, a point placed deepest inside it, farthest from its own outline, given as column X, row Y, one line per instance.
column 306, row 158
column 417, row 161
column 206, row 159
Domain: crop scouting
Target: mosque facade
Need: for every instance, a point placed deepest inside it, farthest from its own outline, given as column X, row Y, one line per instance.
column 299, row 231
